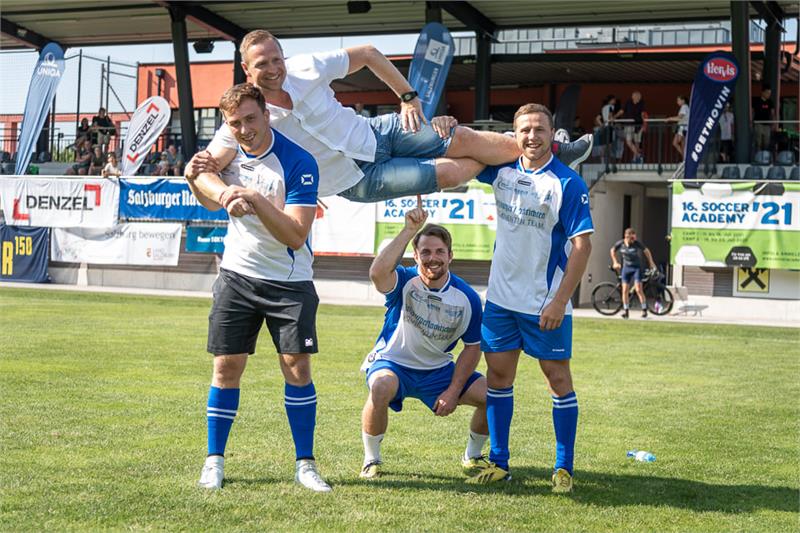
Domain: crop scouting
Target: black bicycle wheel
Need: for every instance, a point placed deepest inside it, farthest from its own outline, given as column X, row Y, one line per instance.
column 606, row 298
column 659, row 299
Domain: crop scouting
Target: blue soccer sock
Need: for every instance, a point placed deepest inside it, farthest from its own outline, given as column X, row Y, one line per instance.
column 565, row 423
column 499, row 410
column 301, row 408
column 220, row 413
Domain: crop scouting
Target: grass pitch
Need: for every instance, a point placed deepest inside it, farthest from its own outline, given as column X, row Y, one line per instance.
column 102, row 426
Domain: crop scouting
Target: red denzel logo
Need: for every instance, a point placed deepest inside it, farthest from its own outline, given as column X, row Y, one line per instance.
column 720, row 69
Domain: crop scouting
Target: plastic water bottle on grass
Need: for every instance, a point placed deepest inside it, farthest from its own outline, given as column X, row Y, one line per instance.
column 642, row 456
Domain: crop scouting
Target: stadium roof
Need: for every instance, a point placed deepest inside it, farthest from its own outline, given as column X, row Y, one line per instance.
column 75, row 23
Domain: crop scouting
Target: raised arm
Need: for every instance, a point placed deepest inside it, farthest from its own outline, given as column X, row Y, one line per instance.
column 368, row 56
column 382, row 270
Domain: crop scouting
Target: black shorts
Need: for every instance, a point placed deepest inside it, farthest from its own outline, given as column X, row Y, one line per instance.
column 241, row 304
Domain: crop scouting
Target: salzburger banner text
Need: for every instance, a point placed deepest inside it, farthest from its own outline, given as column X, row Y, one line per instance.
column 147, row 123
column 742, row 224
column 60, row 203
column 163, row 200
column 140, row 243
column 471, row 218
column 713, row 86
column 24, row 254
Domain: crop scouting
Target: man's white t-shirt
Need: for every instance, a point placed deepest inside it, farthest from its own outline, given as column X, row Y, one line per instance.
column 334, row 134
column 726, row 126
column 683, row 113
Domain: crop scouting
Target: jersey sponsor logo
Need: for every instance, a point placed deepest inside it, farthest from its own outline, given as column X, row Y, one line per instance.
column 524, row 182
column 307, row 179
column 248, row 167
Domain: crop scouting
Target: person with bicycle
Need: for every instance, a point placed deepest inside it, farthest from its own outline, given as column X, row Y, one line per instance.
column 631, row 250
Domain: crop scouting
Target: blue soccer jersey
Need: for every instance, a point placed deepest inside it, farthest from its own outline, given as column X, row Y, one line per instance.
column 286, row 175
column 422, row 325
column 538, row 211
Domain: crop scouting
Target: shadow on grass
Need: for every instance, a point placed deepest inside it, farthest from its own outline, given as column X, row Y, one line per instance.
column 612, row 490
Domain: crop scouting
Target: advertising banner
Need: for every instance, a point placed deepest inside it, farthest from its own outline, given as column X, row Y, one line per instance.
column 206, row 239
column 427, row 73
column 471, row 218
column 713, row 86
column 24, row 254
column 743, row 225
column 59, row 202
column 46, row 76
column 147, row 123
column 147, row 244
column 344, row 228
column 163, row 199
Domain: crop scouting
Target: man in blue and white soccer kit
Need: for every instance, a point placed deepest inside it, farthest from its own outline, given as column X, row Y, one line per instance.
column 270, row 191
column 542, row 247
column 428, row 311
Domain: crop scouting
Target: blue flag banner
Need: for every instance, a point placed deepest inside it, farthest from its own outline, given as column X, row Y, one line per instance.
column 713, row 86
column 430, row 65
column 24, row 254
column 162, row 200
column 46, row 77
column 206, row 239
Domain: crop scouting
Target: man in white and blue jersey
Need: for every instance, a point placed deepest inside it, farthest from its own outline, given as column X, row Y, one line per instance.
column 428, row 310
column 542, row 247
column 270, row 191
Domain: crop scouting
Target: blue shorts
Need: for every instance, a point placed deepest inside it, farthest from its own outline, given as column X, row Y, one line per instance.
column 424, row 385
column 503, row 330
column 631, row 273
column 404, row 162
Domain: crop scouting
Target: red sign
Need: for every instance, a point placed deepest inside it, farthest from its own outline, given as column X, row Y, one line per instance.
column 720, row 69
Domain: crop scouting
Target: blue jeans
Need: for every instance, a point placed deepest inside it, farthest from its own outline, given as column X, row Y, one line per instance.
column 404, row 162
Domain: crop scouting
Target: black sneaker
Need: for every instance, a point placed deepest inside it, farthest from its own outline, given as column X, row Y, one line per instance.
column 625, row 314
column 644, row 313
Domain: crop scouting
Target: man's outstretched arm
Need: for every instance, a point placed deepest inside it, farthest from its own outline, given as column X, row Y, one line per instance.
column 382, row 270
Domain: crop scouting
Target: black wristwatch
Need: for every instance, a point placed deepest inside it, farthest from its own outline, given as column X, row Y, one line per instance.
column 407, row 97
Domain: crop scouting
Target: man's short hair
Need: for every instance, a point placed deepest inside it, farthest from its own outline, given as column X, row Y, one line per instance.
column 257, row 37
column 233, row 97
column 434, row 230
column 629, row 230
column 527, row 109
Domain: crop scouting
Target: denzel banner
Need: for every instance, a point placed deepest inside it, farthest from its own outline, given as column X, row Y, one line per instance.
column 46, row 77
column 24, row 254
column 713, row 86
column 433, row 55
column 147, row 123
column 147, row 244
column 743, row 224
column 60, row 202
column 162, row 199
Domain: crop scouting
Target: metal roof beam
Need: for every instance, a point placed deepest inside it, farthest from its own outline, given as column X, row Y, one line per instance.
column 24, row 35
column 471, row 17
column 207, row 19
column 771, row 12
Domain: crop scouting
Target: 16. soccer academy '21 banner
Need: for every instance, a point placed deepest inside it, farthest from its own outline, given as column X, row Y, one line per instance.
column 24, row 254
column 743, row 224
column 147, row 123
column 46, row 77
column 713, row 86
column 427, row 73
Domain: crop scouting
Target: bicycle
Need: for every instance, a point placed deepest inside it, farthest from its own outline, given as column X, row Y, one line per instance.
column 607, row 296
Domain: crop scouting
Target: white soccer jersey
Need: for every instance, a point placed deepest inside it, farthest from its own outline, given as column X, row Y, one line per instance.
column 422, row 325
column 537, row 213
column 287, row 175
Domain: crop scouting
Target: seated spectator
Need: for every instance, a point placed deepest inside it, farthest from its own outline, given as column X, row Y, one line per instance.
column 102, row 128
column 175, row 159
column 162, row 167
column 83, row 132
column 111, row 168
column 83, row 158
column 97, row 161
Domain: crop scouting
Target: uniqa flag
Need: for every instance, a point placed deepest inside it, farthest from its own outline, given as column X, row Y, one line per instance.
column 46, row 77
column 147, row 123
column 713, row 86
column 430, row 65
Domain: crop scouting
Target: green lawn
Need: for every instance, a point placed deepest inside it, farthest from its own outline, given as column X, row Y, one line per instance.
column 102, row 426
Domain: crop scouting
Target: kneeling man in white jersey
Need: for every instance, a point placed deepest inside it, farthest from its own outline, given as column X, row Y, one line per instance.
column 270, row 191
column 428, row 311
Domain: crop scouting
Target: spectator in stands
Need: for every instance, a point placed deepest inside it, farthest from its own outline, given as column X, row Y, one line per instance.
column 111, row 168
column 604, row 125
column 82, row 132
column 103, row 128
column 162, row 168
column 682, row 118
column 632, row 114
column 726, row 134
column 359, row 107
column 175, row 160
column 83, row 158
column 97, row 161
column 763, row 110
